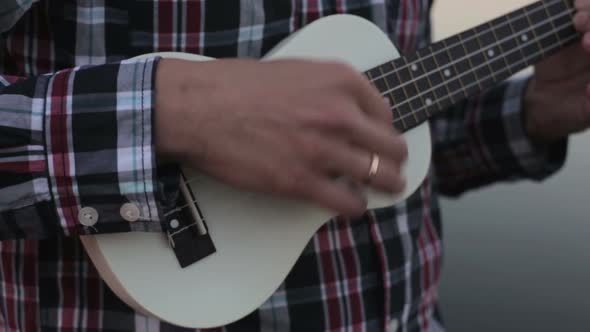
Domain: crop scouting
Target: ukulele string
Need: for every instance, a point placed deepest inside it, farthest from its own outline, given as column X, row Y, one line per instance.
column 177, row 209
column 420, row 94
column 398, row 119
column 413, row 112
column 479, row 34
column 384, row 74
column 455, row 61
column 180, row 208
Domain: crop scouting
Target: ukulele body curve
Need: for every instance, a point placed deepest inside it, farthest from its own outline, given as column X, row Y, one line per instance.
column 258, row 238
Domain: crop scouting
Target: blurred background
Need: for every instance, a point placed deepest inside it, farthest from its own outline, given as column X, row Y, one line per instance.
column 517, row 255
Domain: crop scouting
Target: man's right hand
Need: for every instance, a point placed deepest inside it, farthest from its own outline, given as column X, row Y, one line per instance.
column 283, row 127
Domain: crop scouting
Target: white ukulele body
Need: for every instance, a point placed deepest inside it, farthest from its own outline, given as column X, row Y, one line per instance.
column 257, row 238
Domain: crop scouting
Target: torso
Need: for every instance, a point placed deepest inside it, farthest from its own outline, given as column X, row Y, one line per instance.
column 382, row 269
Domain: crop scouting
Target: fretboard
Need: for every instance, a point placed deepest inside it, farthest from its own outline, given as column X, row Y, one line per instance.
column 421, row 84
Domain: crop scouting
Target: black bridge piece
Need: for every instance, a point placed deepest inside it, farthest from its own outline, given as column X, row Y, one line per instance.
column 189, row 246
column 188, row 234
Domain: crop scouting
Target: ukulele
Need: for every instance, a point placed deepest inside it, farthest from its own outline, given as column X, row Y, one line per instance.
column 229, row 250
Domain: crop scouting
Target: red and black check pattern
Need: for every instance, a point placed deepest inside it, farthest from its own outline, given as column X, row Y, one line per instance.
column 76, row 131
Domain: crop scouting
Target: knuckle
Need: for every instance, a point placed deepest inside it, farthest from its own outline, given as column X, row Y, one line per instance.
column 309, row 147
column 392, row 173
column 385, row 113
column 390, row 177
column 282, row 183
column 299, row 181
column 290, row 182
column 347, row 121
column 328, row 114
column 399, row 184
column 314, row 149
column 336, row 115
column 394, row 181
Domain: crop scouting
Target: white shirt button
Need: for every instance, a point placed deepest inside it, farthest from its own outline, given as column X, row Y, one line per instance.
column 393, row 325
column 88, row 216
column 129, row 212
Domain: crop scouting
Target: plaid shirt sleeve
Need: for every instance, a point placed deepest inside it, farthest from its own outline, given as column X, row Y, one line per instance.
column 483, row 140
column 76, row 152
column 11, row 11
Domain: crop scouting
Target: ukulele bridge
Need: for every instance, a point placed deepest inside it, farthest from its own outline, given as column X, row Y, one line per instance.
column 188, row 235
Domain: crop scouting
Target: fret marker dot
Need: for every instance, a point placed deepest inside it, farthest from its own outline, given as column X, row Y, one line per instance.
column 524, row 38
column 414, row 67
column 428, row 101
column 387, row 101
column 491, row 53
column 174, row 223
column 447, row 73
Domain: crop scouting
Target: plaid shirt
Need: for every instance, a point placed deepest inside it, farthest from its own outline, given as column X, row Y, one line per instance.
column 76, row 131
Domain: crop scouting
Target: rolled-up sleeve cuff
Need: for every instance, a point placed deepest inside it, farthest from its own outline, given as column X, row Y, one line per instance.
column 536, row 160
column 99, row 127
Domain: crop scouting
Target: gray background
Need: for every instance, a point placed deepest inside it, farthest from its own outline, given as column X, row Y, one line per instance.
column 517, row 255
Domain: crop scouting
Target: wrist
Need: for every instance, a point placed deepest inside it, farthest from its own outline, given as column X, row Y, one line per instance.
column 190, row 95
column 170, row 110
column 533, row 104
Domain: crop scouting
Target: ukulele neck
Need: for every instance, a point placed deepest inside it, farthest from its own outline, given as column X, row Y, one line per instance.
column 423, row 83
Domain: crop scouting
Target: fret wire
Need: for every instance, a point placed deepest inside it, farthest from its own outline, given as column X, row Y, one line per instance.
column 510, row 43
column 534, row 32
column 519, row 47
column 415, row 84
column 570, row 9
column 514, row 34
column 393, row 98
column 542, row 15
column 508, row 22
column 464, row 66
column 404, row 91
column 470, row 54
column 524, row 61
column 501, row 48
column 429, row 81
column 483, row 50
column 469, row 59
column 559, row 7
column 473, row 70
column 552, row 22
column 443, row 83
column 561, row 20
column 454, row 64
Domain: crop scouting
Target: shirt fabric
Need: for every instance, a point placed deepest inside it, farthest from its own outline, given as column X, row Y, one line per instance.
column 76, row 131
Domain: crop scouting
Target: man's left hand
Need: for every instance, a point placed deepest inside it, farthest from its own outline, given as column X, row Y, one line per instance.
column 557, row 102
